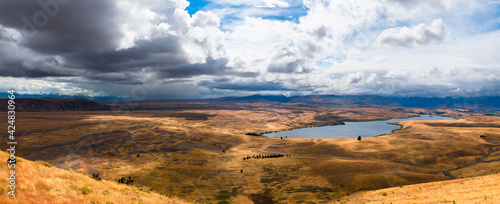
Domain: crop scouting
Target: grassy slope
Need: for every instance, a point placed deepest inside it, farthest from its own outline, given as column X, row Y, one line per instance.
column 182, row 156
column 482, row 189
column 38, row 182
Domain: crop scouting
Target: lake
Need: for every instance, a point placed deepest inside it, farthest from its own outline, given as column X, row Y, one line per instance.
column 351, row 129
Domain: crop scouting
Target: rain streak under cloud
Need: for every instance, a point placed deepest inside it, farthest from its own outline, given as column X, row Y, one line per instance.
column 201, row 49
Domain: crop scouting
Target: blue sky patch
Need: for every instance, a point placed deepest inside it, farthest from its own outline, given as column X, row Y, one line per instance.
column 195, row 6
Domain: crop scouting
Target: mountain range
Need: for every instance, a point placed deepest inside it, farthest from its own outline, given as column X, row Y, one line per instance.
column 487, row 103
column 51, row 104
column 468, row 103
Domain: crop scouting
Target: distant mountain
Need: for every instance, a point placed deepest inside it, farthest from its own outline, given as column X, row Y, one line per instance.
column 469, row 103
column 366, row 100
column 315, row 99
column 51, row 104
column 97, row 98
column 255, row 98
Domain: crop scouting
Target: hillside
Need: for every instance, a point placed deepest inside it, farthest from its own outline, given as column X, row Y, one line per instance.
column 54, row 104
column 38, row 182
column 481, row 189
column 200, row 152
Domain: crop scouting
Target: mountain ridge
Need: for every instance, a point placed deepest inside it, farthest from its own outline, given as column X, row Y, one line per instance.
column 470, row 103
column 485, row 103
column 52, row 104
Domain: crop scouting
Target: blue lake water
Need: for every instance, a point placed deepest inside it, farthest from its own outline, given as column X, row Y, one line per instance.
column 351, row 129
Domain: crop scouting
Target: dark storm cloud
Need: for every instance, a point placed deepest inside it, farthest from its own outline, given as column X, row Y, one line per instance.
column 85, row 35
column 63, row 28
column 16, row 69
column 157, row 52
column 215, row 67
column 135, row 74
column 14, row 65
column 56, row 27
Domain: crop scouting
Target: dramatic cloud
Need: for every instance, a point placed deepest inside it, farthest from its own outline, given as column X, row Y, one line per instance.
column 155, row 47
column 105, row 37
column 53, row 28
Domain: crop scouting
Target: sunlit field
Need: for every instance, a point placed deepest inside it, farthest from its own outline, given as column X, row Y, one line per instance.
column 206, row 156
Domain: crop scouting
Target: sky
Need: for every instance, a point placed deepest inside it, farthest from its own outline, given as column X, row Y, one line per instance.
column 178, row 49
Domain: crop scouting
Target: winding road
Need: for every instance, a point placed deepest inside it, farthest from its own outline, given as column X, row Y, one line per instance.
column 480, row 160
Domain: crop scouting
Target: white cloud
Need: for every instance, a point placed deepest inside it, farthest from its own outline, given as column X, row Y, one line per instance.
column 334, row 47
column 254, row 3
column 331, row 32
column 204, row 38
column 200, row 36
column 137, row 25
column 43, row 86
column 371, row 78
column 416, row 35
column 252, row 42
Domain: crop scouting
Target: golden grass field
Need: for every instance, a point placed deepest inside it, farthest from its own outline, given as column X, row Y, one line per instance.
column 38, row 182
column 179, row 151
column 481, row 189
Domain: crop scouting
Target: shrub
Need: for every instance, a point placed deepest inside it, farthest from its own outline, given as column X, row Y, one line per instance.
column 128, row 181
column 384, row 194
column 96, row 176
column 86, row 190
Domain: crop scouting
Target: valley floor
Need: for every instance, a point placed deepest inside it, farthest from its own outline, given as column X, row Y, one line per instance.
column 195, row 151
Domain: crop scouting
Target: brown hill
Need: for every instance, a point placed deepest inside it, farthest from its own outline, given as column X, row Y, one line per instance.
column 481, row 189
column 53, row 104
column 38, row 182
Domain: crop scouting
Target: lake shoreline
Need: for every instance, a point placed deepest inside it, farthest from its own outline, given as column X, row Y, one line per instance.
column 377, row 125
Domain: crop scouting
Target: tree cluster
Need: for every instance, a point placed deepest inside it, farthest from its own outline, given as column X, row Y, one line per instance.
column 128, row 181
column 223, row 150
column 252, row 133
column 265, row 156
column 96, row 176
